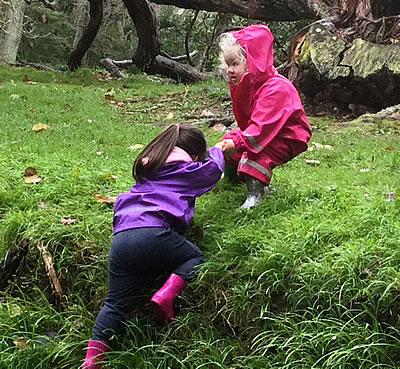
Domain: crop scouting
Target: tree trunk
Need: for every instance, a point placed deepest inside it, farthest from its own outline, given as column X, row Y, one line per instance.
column 177, row 71
column 265, row 10
column 148, row 32
column 350, row 65
column 74, row 59
column 81, row 12
column 11, row 21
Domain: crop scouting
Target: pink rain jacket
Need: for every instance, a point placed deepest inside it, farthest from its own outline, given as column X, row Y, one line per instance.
column 272, row 125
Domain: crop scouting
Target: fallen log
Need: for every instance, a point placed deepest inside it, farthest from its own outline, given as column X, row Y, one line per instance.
column 113, row 67
column 37, row 66
column 172, row 68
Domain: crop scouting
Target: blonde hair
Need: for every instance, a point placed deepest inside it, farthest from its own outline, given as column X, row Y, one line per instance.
column 227, row 43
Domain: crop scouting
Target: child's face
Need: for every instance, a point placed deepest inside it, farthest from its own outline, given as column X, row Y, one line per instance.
column 235, row 67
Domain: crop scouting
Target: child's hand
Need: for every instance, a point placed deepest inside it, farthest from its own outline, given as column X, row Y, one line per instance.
column 220, row 145
column 228, row 147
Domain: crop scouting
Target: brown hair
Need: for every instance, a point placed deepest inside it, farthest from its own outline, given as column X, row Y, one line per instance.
column 188, row 138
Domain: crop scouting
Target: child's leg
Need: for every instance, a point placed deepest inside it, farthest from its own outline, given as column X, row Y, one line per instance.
column 123, row 285
column 179, row 257
column 257, row 168
column 230, row 172
column 255, row 190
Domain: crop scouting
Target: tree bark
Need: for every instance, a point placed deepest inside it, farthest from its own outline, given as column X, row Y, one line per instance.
column 177, row 71
column 74, row 59
column 265, row 10
column 11, row 21
column 148, row 32
column 81, row 20
column 348, row 70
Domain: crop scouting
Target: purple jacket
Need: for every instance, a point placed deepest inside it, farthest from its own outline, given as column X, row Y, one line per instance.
column 167, row 196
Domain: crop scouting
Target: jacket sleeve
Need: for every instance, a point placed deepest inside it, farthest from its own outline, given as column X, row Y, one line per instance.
column 203, row 176
column 274, row 104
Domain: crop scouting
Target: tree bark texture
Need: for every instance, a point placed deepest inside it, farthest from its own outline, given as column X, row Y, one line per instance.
column 74, row 60
column 342, row 74
column 81, row 20
column 265, row 10
column 148, row 31
column 11, row 22
column 177, row 71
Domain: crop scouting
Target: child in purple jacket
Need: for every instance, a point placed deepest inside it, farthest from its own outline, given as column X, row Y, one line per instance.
column 148, row 223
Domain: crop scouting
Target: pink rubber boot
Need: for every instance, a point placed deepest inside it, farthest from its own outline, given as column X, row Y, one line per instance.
column 95, row 352
column 163, row 300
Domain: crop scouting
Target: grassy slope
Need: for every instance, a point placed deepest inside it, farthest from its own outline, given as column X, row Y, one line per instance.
column 309, row 279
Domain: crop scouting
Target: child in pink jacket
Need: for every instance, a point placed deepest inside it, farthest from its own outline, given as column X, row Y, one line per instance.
column 272, row 125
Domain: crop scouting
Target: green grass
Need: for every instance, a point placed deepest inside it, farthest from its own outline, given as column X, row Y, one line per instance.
column 309, row 279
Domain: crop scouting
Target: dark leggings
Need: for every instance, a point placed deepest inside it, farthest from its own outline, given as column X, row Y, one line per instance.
column 136, row 258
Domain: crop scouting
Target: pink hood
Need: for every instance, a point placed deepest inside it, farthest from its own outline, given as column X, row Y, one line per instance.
column 257, row 41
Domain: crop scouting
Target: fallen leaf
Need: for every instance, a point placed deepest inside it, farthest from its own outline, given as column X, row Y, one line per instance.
column 76, row 172
column 40, row 127
column 104, row 198
column 42, row 204
column 26, row 79
column 99, row 153
column 21, row 343
column 30, row 176
column 136, row 146
column 78, row 323
column 116, row 103
column 108, row 97
column 378, row 261
column 109, row 177
column 365, row 272
column 316, row 145
column 14, row 310
column 30, row 171
column 313, row 162
column 390, row 196
column 44, row 18
column 170, row 116
column 390, row 148
column 68, row 221
column 32, row 110
column 67, row 107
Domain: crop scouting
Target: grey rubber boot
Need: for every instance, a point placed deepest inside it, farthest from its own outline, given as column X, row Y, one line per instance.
column 255, row 190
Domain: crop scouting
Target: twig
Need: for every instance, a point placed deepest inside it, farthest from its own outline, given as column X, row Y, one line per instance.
column 48, row 263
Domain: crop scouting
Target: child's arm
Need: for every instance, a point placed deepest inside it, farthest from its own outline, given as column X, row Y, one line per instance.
column 201, row 176
column 227, row 146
